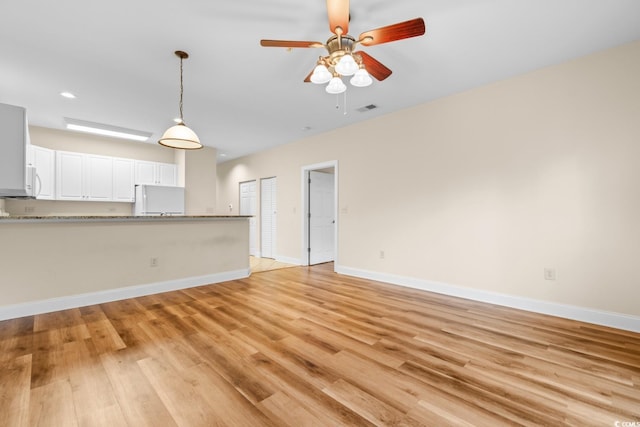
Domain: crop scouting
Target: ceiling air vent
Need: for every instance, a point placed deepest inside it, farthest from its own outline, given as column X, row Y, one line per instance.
column 367, row 108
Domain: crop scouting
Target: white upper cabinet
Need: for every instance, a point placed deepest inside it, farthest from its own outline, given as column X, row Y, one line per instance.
column 145, row 172
column 154, row 173
column 66, row 175
column 44, row 160
column 98, row 179
column 69, row 175
column 167, row 174
column 123, row 180
column 86, row 177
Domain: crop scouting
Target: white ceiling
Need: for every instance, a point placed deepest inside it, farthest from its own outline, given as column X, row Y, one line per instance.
column 117, row 57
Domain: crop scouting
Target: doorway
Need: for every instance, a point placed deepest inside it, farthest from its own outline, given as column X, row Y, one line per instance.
column 320, row 220
column 248, row 203
column 268, row 221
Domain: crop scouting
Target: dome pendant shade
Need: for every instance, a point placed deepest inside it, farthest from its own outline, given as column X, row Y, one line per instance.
column 335, row 86
column 320, row 75
column 361, row 78
column 346, row 66
column 180, row 136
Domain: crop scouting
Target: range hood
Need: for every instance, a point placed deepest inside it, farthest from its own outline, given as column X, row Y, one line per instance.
column 16, row 179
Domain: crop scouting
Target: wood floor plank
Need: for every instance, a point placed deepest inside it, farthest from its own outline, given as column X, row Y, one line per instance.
column 93, row 395
column 233, row 367
column 137, row 399
column 287, row 412
column 52, row 405
column 390, row 386
column 306, row 396
column 211, row 400
column 306, row 346
column 374, row 410
column 483, row 394
column 104, row 336
column 15, row 377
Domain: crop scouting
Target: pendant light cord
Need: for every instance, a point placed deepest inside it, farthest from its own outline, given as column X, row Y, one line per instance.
column 181, row 90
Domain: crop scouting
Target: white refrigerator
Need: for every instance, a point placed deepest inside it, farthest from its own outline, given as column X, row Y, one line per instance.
column 158, row 200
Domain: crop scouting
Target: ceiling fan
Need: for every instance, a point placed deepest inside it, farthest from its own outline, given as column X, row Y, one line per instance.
column 342, row 60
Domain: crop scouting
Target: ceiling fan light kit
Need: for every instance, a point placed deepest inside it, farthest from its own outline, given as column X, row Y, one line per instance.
column 342, row 60
column 180, row 136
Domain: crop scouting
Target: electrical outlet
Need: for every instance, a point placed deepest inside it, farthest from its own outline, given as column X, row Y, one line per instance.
column 549, row 274
column 29, row 209
column 381, row 254
column 153, row 262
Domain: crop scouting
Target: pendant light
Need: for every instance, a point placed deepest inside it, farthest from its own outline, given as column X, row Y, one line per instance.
column 180, row 136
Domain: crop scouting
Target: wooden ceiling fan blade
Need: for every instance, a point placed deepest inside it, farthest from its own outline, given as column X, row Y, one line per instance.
column 399, row 31
column 338, row 11
column 374, row 67
column 290, row 43
column 308, row 78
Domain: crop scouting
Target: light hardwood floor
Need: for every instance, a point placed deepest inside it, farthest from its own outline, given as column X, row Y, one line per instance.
column 259, row 265
column 307, row 347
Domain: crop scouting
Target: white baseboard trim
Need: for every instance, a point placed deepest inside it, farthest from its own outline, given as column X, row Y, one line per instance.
column 92, row 298
column 288, row 260
column 583, row 314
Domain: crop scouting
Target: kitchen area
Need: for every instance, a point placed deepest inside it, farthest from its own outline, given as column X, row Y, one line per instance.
column 87, row 219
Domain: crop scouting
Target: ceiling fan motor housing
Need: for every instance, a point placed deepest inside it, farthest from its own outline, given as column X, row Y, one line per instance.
column 339, row 46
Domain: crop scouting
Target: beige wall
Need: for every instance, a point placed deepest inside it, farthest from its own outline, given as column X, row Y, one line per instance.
column 486, row 188
column 56, row 139
column 200, row 181
column 63, row 259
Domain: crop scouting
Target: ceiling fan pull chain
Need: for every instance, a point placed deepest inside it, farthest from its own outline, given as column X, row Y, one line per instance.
column 337, row 101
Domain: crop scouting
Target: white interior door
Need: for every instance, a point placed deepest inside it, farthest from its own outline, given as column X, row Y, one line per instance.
column 248, row 205
column 268, row 217
column 321, row 217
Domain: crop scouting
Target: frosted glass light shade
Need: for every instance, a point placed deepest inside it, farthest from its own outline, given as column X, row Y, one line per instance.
column 361, row 78
column 320, row 75
column 180, row 136
column 346, row 66
column 336, row 86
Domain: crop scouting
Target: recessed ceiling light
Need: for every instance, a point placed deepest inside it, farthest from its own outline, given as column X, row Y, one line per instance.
column 223, row 155
column 68, row 95
column 106, row 130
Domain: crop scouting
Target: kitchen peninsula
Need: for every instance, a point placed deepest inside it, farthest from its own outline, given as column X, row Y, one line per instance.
column 51, row 263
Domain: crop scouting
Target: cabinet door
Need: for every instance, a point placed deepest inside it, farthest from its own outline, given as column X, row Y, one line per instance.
column 123, row 180
column 69, row 175
column 98, row 178
column 43, row 159
column 167, row 174
column 145, row 172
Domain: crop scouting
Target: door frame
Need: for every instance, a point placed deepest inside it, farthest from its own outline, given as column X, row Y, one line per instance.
column 304, row 211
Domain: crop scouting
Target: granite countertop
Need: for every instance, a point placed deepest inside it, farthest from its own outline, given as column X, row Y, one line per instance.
column 113, row 218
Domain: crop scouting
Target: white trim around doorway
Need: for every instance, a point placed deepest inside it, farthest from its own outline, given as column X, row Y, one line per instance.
column 304, row 255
